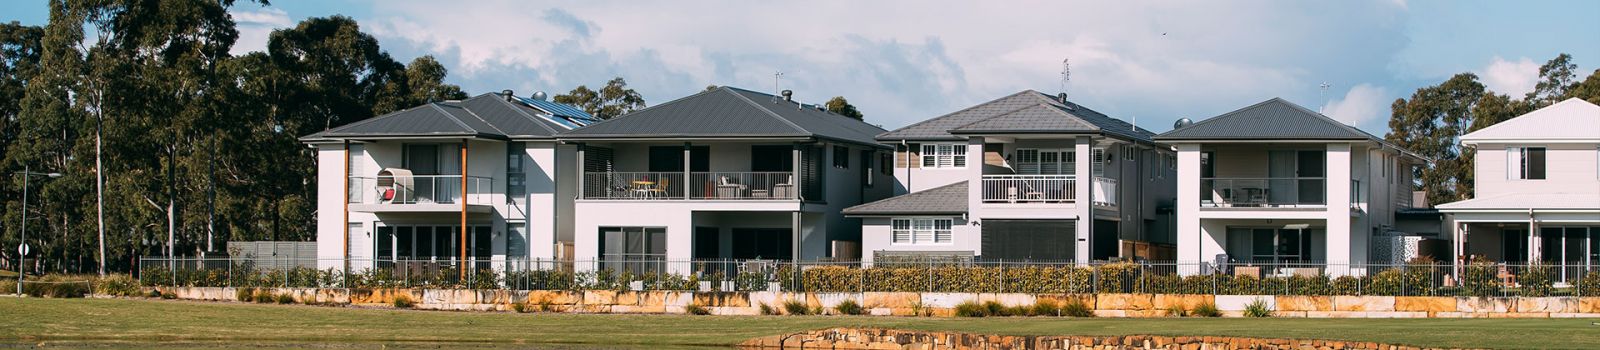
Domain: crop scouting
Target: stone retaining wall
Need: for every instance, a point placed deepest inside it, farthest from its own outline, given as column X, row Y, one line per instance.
column 864, row 339
column 926, row 304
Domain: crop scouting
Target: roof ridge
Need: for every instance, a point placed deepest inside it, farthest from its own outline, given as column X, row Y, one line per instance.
column 925, row 121
column 368, row 120
column 630, row 114
column 768, row 111
column 525, row 114
column 1220, row 116
column 1010, row 112
column 480, row 118
column 452, row 117
column 1325, row 118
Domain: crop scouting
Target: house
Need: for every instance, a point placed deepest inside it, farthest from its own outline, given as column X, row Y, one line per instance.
column 429, row 185
column 1025, row 177
column 724, row 174
column 1277, row 184
column 1537, row 191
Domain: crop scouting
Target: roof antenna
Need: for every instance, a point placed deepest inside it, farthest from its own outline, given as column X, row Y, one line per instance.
column 776, row 90
column 1066, row 76
column 1324, row 95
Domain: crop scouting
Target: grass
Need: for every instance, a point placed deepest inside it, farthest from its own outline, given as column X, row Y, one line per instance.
column 153, row 323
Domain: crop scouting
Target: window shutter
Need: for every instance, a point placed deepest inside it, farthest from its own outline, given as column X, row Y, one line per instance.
column 1513, row 163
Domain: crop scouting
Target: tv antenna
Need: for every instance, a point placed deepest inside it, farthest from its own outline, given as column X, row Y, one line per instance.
column 776, row 88
column 1324, row 95
column 1066, row 75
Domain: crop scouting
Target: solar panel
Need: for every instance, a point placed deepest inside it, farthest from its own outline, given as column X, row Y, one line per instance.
column 567, row 116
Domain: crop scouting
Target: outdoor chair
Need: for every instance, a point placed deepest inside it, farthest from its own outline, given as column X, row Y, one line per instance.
column 726, row 188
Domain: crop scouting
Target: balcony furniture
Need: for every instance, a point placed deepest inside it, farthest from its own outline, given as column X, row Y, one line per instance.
column 1247, row 271
column 1506, row 277
column 784, row 189
column 758, row 193
column 728, row 189
column 644, row 188
column 393, row 181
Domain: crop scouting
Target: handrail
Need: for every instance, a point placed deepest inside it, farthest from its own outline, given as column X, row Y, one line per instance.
column 1009, row 188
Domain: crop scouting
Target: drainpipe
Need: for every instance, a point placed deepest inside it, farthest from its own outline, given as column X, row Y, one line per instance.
column 908, row 164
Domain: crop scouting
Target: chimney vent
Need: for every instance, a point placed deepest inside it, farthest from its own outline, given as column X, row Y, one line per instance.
column 508, row 94
column 788, row 95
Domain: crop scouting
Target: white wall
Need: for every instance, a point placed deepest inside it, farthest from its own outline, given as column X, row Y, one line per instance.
column 1569, row 168
column 878, row 235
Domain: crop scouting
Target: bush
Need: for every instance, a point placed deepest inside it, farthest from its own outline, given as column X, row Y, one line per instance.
column 8, row 285
column 56, row 286
column 244, row 294
column 169, row 295
column 520, row 307
column 1177, row 311
column 795, row 307
column 1077, row 308
column 694, row 309
column 116, row 285
column 1480, row 278
column 1207, row 309
column 285, row 298
column 403, row 301
column 768, row 310
column 1590, row 284
column 264, row 296
column 1046, row 308
column 1257, row 308
column 971, row 309
column 848, row 307
column 995, row 308
column 1537, row 281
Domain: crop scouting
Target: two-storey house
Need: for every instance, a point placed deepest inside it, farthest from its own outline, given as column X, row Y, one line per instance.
column 1536, row 191
column 724, row 174
column 425, row 187
column 1026, row 177
column 1278, row 184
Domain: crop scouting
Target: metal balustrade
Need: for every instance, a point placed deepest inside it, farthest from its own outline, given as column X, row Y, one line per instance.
column 722, row 185
column 1268, row 192
column 1029, row 188
column 419, row 189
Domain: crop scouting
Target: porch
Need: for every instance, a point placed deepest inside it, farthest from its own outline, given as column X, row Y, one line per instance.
column 1239, row 176
column 700, row 171
column 1569, row 250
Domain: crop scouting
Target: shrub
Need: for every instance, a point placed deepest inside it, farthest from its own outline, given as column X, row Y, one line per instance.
column 56, row 286
column 848, row 307
column 520, row 307
column 1480, row 278
column 169, row 295
column 1177, row 311
column 403, row 301
column 694, row 309
column 116, row 285
column 1345, row 285
column 1046, row 308
column 1077, row 308
column 285, row 298
column 795, row 307
column 1257, row 308
column 1589, row 284
column 244, row 294
column 1537, row 281
column 8, row 285
column 917, row 308
column 264, row 296
column 995, row 308
column 1207, row 309
column 546, row 305
column 768, row 310
column 971, row 309
column 154, row 293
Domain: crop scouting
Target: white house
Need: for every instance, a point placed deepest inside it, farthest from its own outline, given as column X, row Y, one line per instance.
column 724, row 174
column 1276, row 183
column 1026, row 177
column 429, row 185
column 1537, row 190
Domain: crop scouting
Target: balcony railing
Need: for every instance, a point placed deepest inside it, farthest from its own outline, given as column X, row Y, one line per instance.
column 419, row 189
column 1270, row 192
column 699, row 186
column 1029, row 188
column 1105, row 191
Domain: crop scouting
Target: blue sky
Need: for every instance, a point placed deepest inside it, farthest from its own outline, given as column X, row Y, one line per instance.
column 906, row 61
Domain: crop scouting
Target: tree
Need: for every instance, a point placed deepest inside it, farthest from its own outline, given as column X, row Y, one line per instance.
column 1429, row 124
column 613, row 100
column 838, row 105
column 1555, row 77
column 425, row 78
column 1588, row 89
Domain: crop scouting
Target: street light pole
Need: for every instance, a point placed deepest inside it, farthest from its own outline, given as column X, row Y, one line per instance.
column 22, row 257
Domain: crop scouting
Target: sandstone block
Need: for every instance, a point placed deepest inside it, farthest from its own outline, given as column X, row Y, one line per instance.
column 1238, row 302
column 1589, row 304
column 1477, row 304
column 599, row 297
column 1118, row 301
column 1304, row 303
column 1185, row 301
column 1425, row 304
column 722, row 299
column 1548, row 304
column 890, row 300
column 1363, row 303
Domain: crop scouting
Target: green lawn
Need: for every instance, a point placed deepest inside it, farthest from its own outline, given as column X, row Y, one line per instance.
column 152, row 323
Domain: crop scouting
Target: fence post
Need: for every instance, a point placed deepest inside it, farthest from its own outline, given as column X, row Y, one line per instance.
column 1002, row 275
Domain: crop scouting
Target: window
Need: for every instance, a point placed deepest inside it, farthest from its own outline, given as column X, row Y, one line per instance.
column 517, row 240
column 921, row 231
column 1127, row 152
column 516, row 180
column 886, row 164
column 633, row 249
column 841, row 157
column 944, row 155
column 1100, row 160
column 357, row 238
column 1525, row 163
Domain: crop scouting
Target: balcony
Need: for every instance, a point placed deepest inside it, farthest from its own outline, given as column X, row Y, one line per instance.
column 1270, row 192
column 1029, row 189
column 1105, row 192
column 399, row 192
column 699, row 186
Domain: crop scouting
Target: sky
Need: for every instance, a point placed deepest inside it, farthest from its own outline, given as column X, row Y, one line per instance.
column 901, row 62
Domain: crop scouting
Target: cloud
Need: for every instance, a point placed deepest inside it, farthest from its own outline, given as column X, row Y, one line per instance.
column 255, row 27
column 1362, row 104
column 1514, row 78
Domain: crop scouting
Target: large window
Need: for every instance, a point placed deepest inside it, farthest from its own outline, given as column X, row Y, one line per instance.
column 431, row 243
column 1273, row 245
column 922, row 231
column 1525, row 163
column 1030, row 161
column 633, row 249
column 516, row 180
column 841, row 157
column 944, row 155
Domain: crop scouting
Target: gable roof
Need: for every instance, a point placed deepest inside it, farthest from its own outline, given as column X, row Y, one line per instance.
column 1573, row 120
column 1274, row 119
column 947, row 199
column 1025, row 112
column 727, row 112
column 488, row 116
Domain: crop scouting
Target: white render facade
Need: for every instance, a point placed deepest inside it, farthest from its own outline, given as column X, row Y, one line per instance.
column 1027, row 177
column 1277, row 184
column 1536, row 191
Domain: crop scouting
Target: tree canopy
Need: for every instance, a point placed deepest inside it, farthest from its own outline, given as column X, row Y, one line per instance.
column 612, row 100
column 839, row 105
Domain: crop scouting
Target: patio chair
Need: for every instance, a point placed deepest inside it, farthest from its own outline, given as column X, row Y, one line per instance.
column 784, row 189
column 726, row 188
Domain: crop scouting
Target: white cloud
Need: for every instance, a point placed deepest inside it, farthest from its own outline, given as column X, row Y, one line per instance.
column 255, row 26
column 1514, row 78
column 1361, row 104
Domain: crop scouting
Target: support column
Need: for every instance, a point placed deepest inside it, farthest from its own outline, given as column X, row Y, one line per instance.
column 795, row 229
column 1458, row 237
column 1191, row 244
column 1083, row 180
column 686, row 169
column 463, row 256
column 1343, row 244
column 1533, row 239
column 794, row 169
column 345, row 252
column 581, row 170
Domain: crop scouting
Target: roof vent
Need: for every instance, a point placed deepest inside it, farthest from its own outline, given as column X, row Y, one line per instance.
column 788, row 95
column 1182, row 123
column 508, row 94
column 1062, row 97
column 539, row 95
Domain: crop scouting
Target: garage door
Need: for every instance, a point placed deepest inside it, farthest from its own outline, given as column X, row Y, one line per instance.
column 1037, row 240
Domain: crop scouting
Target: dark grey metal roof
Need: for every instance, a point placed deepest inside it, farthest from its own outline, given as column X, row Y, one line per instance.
column 727, row 112
column 1274, row 119
column 483, row 116
column 1028, row 111
column 947, row 199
